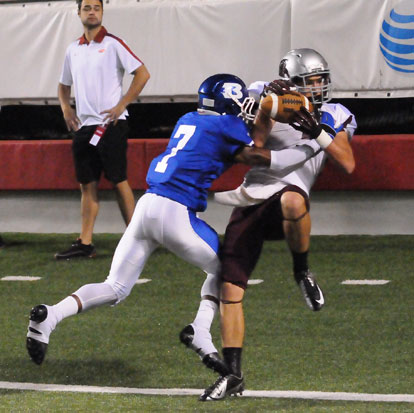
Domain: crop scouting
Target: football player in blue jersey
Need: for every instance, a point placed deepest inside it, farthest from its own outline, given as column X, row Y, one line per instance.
column 274, row 203
column 202, row 146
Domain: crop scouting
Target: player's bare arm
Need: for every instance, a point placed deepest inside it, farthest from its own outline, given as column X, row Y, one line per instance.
column 254, row 156
column 261, row 128
column 69, row 114
column 141, row 76
column 340, row 152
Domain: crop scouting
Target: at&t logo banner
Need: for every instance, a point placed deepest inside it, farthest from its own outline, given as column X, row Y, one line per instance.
column 397, row 37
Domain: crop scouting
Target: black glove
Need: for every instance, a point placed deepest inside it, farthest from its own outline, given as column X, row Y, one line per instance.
column 307, row 122
column 279, row 87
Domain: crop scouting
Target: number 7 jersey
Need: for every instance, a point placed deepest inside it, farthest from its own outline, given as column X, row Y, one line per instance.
column 201, row 147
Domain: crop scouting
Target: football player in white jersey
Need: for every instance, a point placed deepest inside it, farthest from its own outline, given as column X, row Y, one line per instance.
column 274, row 204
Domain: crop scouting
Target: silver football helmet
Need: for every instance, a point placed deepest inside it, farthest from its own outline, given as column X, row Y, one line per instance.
column 309, row 71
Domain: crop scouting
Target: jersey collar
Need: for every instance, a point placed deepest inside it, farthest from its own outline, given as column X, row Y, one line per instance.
column 97, row 39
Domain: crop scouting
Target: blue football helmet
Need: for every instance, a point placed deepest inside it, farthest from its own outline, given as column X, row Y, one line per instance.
column 223, row 94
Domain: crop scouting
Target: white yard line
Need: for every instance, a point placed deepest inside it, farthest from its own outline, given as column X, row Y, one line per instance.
column 288, row 394
column 143, row 280
column 20, row 278
column 254, row 282
column 365, row 282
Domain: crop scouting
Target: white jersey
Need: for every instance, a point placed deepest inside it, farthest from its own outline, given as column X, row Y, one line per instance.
column 260, row 183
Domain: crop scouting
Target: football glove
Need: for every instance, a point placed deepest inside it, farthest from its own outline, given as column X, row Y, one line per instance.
column 329, row 124
column 307, row 122
column 279, row 87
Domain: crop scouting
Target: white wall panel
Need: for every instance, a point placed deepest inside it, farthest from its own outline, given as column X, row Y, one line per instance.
column 184, row 41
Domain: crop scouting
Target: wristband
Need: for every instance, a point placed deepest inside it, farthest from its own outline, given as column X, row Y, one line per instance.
column 323, row 139
column 273, row 160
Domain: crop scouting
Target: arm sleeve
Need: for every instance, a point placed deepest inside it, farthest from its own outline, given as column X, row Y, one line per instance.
column 285, row 161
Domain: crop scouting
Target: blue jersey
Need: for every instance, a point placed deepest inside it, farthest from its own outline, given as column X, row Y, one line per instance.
column 200, row 149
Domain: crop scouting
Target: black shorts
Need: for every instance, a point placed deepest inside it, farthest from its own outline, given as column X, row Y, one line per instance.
column 109, row 156
column 248, row 228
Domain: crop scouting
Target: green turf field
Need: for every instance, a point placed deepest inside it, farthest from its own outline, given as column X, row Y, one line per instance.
column 362, row 341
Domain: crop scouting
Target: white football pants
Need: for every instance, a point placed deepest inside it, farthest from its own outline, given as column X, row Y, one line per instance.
column 161, row 221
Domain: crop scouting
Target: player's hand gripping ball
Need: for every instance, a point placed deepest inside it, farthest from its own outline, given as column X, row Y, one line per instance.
column 282, row 108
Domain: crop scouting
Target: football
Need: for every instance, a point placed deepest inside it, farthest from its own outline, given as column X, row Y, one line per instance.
column 282, row 108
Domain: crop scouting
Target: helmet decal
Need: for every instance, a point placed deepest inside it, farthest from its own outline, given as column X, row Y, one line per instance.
column 282, row 69
column 222, row 94
column 232, row 89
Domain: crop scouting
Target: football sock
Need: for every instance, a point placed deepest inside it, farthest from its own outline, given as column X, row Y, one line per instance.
column 65, row 308
column 300, row 261
column 94, row 295
column 232, row 358
column 205, row 314
column 201, row 325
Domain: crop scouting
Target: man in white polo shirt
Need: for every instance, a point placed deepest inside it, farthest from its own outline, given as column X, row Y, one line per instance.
column 95, row 64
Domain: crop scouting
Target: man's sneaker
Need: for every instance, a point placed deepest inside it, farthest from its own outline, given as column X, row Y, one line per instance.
column 312, row 293
column 38, row 334
column 210, row 360
column 77, row 250
column 224, row 386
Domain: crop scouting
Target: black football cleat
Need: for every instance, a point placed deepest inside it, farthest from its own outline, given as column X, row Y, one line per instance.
column 37, row 340
column 229, row 385
column 36, row 349
column 211, row 360
column 310, row 289
column 77, row 250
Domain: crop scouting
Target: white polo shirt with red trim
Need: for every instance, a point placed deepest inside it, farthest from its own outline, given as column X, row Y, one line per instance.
column 96, row 70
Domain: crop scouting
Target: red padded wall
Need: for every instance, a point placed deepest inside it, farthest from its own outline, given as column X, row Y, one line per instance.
column 384, row 162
